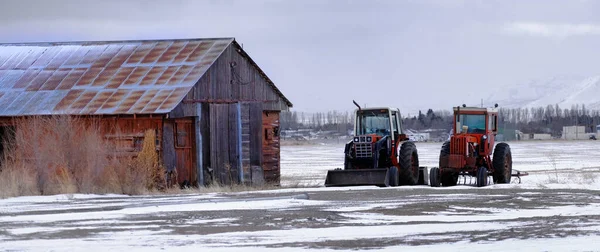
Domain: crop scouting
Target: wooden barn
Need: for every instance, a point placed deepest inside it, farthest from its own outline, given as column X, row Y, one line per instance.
column 215, row 112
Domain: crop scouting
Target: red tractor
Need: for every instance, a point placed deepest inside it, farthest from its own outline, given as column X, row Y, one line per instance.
column 469, row 151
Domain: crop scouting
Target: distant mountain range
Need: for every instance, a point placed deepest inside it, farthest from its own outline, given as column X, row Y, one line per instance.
column 563, row 90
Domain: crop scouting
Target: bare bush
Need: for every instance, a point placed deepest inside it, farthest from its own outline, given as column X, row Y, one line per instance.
column 63, row 154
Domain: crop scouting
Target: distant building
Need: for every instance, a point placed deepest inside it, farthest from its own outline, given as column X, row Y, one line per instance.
column 532, row 136
column 575, row 133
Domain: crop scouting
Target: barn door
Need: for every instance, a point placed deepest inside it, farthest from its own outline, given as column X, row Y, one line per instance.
column 184, row 150
column 270, row 146
column 225, row 138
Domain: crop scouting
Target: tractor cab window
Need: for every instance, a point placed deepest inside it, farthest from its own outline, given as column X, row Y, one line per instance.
column 374, row 122
column 474, row 124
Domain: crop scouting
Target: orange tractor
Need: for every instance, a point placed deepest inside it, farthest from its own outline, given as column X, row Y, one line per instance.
column 469, row 151
column 379, row 153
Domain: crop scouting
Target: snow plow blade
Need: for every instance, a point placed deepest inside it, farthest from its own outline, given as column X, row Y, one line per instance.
column 357, row 177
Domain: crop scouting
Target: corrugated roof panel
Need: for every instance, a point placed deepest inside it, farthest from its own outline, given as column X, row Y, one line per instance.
column 197, row 54
column 156, row 52
column 185, row 52
column 173, row 99
column 55, row 79
column 31, row 107
column 93, row 54
column 17, row 57
column 7, row 99
column 120, row 77
column 178, row 77
column 97, row 102
column 158, row 99
column 39, row 80
column 10, row 78
column 104, row 77
column 136, row 76
column 46, row 57
column 140, row 52
column 122, row 56
column 62, row 56
column 108, row 54
column 69, row 81
column 83, row 100
column 109, row 106
column 47, row 104
column 89, row 76
column 152, row 76
column 32, row 55
column 18, row 104
column 195, row 74
column 171, row 52
column 27, row 77
column 142, row 102
column 76, row 56
column 166, row 75
column 131, row 99
column 67, row 100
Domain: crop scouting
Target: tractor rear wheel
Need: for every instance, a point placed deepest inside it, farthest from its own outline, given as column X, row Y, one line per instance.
column 482, row 176
column 502, row 164
column 393, row 178
column 449, row 177
column 444, row 152
column 434, row 177
column 409, row 164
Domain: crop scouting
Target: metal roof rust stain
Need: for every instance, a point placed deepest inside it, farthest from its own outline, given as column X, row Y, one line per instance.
column 115, row 77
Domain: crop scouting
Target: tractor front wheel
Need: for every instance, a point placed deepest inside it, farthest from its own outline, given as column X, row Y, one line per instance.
column 434, row 177
column 482, row 176
column 449, row 177
column 409, row 164
column 502, row 164
column 393, row 178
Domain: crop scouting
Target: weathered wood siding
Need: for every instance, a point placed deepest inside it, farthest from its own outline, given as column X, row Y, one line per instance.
column 270, row 146
column 233, row 78
column 224, row 151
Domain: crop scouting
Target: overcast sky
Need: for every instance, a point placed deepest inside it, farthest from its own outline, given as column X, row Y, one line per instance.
column 322, row 54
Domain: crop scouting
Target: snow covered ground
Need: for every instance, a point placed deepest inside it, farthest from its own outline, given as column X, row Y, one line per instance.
column 556, row 208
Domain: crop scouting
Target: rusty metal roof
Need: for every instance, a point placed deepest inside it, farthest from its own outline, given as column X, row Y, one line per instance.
column 120, row 77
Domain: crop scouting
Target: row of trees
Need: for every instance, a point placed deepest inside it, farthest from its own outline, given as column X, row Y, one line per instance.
column 549, row 119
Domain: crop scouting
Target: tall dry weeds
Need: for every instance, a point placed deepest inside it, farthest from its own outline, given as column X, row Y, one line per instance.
column 63, row 154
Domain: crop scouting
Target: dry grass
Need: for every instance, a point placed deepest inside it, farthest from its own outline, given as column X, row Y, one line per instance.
column 56, row 155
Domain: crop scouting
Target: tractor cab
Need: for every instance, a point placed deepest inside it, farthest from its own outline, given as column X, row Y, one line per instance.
column 472, row 120
column 376, row 123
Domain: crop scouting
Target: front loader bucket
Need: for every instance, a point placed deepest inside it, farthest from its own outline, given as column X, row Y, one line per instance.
column 357, row 177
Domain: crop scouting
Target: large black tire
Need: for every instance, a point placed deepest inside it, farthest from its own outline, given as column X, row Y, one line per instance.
column 482, row 176
column 502, row 161
column 393, row 176
column 434, row 177
column 449, row 177
column 409, row 164
column 445, row 151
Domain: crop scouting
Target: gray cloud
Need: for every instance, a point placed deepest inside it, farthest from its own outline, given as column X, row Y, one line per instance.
column 323, row 54
column 552, row 30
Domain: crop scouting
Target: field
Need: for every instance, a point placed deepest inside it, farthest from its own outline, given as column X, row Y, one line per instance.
column 556, row 208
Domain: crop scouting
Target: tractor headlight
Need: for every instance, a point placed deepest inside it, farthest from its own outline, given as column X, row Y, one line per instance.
column 356, row 139
column 484, row 137
column 369, row 139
